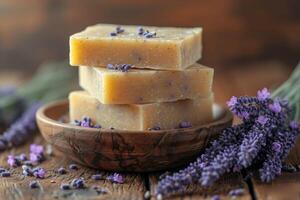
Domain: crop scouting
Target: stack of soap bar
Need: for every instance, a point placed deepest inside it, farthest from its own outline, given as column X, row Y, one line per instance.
column 140, row 117
column 146, row 86
column 140, row 78
column 160, row 48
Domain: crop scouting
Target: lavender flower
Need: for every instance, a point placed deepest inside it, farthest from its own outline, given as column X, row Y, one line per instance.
column 34, row 184
column 260, row 144
column 185, row 125
column 263, row 94
column 78, row 183
column 86, row 122
column 62, row 170
column 73, row 167
column 236, row 192
column 65, row 186
column 119, row 67
column 12, row 161
column 39, row 172
column 21, row 129
column 36, row 149
column 97, row 176
column 116, row 178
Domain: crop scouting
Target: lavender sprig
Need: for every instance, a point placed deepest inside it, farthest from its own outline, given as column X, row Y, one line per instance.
column 20, row 130
column 260, row 143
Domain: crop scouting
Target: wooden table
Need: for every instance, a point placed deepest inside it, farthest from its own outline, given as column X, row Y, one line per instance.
column 233, row 81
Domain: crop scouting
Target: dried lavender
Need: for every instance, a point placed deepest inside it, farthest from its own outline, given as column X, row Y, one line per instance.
column 116, row 178
column 260, row 143
column 20, row 130
column 119, row 67
column 85, row 122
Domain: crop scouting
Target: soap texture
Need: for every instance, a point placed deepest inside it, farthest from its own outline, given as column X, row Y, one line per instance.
column 140, row 117
column 167, row 49
column 146, row 86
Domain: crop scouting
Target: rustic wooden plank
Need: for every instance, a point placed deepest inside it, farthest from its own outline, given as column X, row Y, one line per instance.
column 16, row 186
column 285, row 187
column 197, row 192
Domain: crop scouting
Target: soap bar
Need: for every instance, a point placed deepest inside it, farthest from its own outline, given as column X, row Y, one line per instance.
column 167, row 48
column 140, row 116
column 146, row 86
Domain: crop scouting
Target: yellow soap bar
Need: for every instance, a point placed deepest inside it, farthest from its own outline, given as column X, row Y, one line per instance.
column 140, row 116
column 168, row 48
column 146, row 86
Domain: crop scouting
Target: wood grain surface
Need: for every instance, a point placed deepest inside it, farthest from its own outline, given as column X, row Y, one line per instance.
column 231, row 81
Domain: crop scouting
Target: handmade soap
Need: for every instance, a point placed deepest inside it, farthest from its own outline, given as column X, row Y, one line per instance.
column 145, row 47
column 146, row 86
column 140, row 116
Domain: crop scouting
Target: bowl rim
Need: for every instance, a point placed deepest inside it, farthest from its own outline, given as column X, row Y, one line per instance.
column 224, row 117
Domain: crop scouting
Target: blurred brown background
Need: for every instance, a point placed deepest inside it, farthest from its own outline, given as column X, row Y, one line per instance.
column 238, row 34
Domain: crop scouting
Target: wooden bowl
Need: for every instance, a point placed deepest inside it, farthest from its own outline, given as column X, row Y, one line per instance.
column 119, row 150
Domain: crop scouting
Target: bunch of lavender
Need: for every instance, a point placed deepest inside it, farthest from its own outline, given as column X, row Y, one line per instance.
column 260, row 143
column 24, row 101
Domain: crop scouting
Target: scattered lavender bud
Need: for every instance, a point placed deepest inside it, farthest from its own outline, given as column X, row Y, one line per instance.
column 113, row 34
column 119, row 29
column 36, row 149
column 5, row 174
column 97, row 176
column 62, row 170
column 99, row 190
column 73, row 167
column 12, row 161
column 2, row 169
column 215, row 197
column 236, row 192
column 36, row 158
column 78, row 183
column 65, row 186
column 33, row 184
column 140, row 30
column 39, row 172
column 27, row 171
column 185, row 125
column 147, row 195
column 116, row 178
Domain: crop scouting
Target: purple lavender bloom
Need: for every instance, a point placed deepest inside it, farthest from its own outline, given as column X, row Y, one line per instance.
column 23, row 127
column 260, row 144
column 231, row 103
column 22, row 157
column 78, row 183
column 33, row 184
column 27, row 171
column 73, row 167
column 185, row 125
column 275, row 107
column 262, row 120
column 36, row 158
column 113, row 34
column 62, row 170
column 116, row 178
column 5, row 174
column 36, row 149
column 12, row 161
column 294, row 125
column 263, row 94
column 65, row 186
column 276, row 146
column 39, row 172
